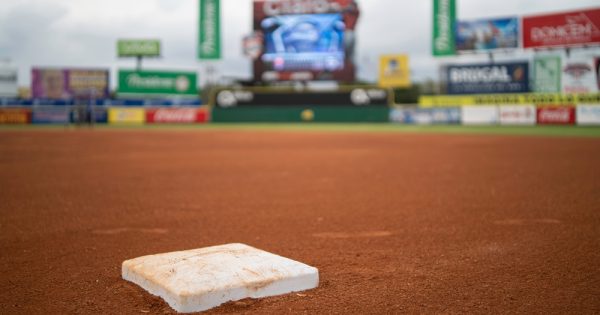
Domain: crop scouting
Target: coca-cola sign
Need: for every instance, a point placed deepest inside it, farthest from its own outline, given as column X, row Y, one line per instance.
column 176, row 116
column 564, row 29
column 556, row 115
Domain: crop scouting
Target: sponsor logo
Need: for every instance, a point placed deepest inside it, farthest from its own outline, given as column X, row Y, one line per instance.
column 232, row 98
column 362, row 97
column 278, row 7
column 577, row 70
column 575, row 27
column 444, row 41
column 14, row 116
column 209, row 28
column 180, row 83
column 486, row 74
column 175, row 115
column 556, row 115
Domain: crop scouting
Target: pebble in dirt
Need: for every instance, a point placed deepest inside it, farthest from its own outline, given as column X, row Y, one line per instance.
column 200, row 279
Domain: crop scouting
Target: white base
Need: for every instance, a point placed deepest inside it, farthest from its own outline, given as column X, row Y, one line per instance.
column 200, row 279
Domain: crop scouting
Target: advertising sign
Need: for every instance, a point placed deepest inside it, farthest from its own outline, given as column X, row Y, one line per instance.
column 518, row 115
column 588, row 115
column 209, row 41
column 69, row 83
column 158, row 83
column 444, row 22
column 579, row 75
column 51, row 115
column 498, row 99
column 486, row 35
column 562, row 29
column 488, row 78
column 176, row 116
column 138, row 48
column 547, row 72
column 305, row 39
column 135, row 116
column 425, row 116
column 556, row 115
column 8, row 82
column 16, row 116
column 353, row 97
column 480, row 115
column 394, row 71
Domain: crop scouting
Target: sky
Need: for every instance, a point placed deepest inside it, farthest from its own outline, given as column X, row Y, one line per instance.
column 83, row 33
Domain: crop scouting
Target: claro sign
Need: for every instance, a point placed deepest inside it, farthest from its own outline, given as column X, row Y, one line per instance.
column 564, row 29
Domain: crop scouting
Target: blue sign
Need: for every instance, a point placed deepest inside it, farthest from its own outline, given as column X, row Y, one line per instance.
column 426, row 116
column 50, row 115
column 488, row 78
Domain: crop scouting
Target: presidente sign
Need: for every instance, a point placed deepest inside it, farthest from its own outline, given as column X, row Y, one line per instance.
column 444, row 20
column 209, row 41
column 157, row 83
column 562, row 29
column 488, row 78
column 138, row 48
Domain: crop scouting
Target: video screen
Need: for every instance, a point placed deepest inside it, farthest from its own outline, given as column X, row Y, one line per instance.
column 304, row 42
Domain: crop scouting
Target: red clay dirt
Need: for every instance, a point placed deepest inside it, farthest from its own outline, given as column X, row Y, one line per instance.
column 396, row 223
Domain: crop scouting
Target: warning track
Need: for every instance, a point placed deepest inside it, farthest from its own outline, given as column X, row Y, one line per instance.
column 395, row 222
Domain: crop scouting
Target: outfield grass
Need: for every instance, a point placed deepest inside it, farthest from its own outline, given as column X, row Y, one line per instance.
column 566, row 131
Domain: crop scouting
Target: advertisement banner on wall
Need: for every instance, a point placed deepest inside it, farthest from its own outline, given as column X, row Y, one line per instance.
column 562, row 29
column 444, row 23
column 518, row 115
column 480, row 115
column 547, row 72
column 579, row 75
column 134, row 116
column 209, row 30
column 138, row 48
column 588, row 115
column 69, row 83
column 426, row 116
column 17, row 116
column 488, row 78
column 8, row 82
column 305, row 40
column 176, row 116
column 157, row 83
column 363, row 97
column 508, row 99
column 394, row 71
column 556, row 115
column 51, row 115
column 487, row 35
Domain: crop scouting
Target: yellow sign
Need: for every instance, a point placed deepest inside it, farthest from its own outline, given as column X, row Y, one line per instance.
column 508, row 99
column 135, row 116
column 394, row 71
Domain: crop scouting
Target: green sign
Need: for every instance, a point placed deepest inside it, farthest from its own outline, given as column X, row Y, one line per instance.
column 157, row 83
column 135, row 48
column 444, row 21
column 209, row 41
column 547, row 74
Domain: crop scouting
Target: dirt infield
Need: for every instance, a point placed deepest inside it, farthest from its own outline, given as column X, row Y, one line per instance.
column 395, row 222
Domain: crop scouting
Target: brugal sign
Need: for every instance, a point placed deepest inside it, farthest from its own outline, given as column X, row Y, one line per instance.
column 488, row 78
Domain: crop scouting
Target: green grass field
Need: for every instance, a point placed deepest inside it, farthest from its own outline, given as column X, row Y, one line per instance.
column 559, row 131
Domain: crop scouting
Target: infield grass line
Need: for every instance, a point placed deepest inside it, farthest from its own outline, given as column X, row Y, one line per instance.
column 554, row 131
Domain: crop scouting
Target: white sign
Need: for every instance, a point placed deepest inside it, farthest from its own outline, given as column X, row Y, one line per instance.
column 8, row 82
column 579, row 76
column 588, row 114
column 518, row 115
column 480, row 115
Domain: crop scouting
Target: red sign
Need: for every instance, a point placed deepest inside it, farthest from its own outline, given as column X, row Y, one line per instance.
column 176, row 116
column 15, row 116
column 563, row 29
column 556, row 115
